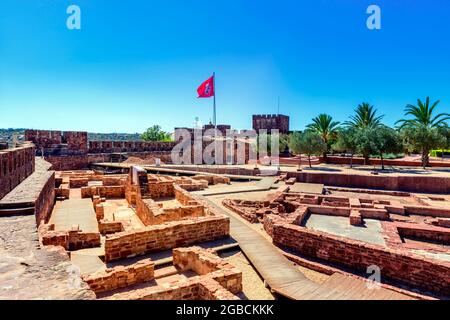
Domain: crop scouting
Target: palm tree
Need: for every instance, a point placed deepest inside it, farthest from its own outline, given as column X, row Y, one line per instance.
column 423, row 115
column 324, row 125
column 365, row 117
column 424, row 126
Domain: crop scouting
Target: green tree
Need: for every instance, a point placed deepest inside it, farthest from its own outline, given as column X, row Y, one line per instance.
column 424, row 127
column 346, row 142
column 155, row 134
column 386, row 140
column 420, row 137
column 366, row 116
column 365, row 144
column 283, row 142
column 308, row 142
column 378, row 140
column 324, row 125
column 445, row 132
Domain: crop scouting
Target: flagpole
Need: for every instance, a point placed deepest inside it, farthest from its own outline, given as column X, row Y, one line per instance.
column 214, row 101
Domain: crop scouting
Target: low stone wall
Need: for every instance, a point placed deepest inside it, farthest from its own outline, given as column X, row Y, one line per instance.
column 184, row 197
column 377, row 162
column 428, row 211
column 216, row 279
column 62, row 192
column 422, row 184
column 78, row 182
column 205, row 262
column 212, row 180
column 109, row 192
column 165, row 236
column 110, row 180
column 121, row 276
column 150, row 213
column 219, row 170
column 109, row 227
column 196, row 288
column 424, row 232
column 411, row 269
column 159, row 190
column 69, row 240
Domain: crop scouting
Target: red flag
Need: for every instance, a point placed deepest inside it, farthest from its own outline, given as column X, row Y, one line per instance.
column 206, row 89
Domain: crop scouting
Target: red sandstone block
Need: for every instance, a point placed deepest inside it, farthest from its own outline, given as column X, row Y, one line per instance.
column 355, row 218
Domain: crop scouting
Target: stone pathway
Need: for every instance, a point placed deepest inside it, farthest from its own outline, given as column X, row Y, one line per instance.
column 29, row 272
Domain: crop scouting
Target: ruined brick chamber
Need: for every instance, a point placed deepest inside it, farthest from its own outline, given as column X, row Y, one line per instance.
column 118, row 221
column 347, row 230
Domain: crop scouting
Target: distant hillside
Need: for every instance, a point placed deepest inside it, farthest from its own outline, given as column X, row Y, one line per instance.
column 114, row 136
column 7, row 135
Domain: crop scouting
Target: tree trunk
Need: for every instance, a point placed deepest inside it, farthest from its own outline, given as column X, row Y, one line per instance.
column 324, row 155
column 351, row 161
column 382, row 163
column 425, row 158
column 366, row 159
column 300, row 163
column 309, row 160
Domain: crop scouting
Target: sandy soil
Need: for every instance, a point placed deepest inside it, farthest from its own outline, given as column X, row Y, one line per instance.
column 253, row 285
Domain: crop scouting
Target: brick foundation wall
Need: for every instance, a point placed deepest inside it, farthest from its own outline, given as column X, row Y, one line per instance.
column 414, row 270
column 165, row 236
column 121, row 276
column 15, row 166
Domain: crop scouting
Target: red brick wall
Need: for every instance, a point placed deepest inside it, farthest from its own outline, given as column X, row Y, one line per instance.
column 121, row 276
column 166, row 236
column 43, row 138
column 15, row 166
column 76, row 140
column 402, row 183
column 388, row 162
column 129, row 146
column 61, row 163
column 415, row 270
column 44, row 203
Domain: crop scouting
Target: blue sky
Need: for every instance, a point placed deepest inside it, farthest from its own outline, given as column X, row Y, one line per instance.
column 138, row 63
